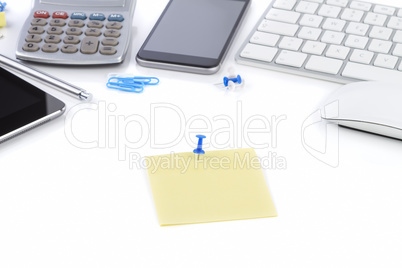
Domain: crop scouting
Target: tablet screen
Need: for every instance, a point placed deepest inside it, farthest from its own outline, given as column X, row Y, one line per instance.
column 23, row 105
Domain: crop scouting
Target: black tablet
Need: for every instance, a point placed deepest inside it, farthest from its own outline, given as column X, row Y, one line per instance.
column 23, row 106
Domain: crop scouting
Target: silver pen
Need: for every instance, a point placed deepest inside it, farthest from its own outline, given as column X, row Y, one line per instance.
column 45, row 78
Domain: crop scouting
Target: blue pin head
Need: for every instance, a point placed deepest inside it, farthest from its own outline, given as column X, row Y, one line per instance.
column 236, row 80
column 199, row 149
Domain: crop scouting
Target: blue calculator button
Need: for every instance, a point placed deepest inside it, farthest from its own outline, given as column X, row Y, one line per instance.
column 78, row 16
column 97, row 16
column 116, row 17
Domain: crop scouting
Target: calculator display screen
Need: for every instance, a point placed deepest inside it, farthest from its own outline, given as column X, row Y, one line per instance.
column 195, row 28
column 86, row 3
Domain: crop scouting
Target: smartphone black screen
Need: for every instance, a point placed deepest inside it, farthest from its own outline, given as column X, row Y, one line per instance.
column 194, row 32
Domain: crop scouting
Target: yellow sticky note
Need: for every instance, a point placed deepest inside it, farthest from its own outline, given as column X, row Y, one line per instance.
column 220, row 186
column 2, row 19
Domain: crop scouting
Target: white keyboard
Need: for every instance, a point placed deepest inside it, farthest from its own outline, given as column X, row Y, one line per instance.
column 336, row 40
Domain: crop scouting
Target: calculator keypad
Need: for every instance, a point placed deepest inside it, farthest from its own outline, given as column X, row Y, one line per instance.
column 60, row 33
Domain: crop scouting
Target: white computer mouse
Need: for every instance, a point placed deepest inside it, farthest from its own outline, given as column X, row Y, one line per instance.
column 374, row 107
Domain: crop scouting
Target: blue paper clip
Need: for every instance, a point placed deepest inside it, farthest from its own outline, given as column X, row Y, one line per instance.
column 2, row 6
column 131, row 84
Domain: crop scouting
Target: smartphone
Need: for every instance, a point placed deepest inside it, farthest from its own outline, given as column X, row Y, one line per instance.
column 193, row 35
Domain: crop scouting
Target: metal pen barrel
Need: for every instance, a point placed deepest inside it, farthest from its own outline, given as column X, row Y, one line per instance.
column 45, row 78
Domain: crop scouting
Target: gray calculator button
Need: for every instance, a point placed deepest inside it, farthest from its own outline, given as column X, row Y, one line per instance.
column 76, row 23
column 112, row 33
column 69, row 49
column 55, row 30
column 108, row 50
column 54, row 39
column 36, row 30
column 30, row 47
column 33, row 38
column 95, row 24
column 50, row 48
column 114, row 25
column 93, row 32
column 57, row 22
column 110, row 42
column 38, row 22
column 74, row 31
column 71, row 40
column 89, row 45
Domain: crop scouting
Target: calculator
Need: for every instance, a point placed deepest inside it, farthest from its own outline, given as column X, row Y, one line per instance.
column 77, row 32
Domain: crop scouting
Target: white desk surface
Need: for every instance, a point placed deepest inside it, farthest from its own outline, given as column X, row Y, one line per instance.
column 65, row 206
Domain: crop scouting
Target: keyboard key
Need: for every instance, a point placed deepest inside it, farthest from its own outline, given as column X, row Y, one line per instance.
column 70, row 49
column 309, row 33
column 324, row 65
column 33, row 38
column 334, row 24
column 329, row 11
column 71, row 40
column 276, row 27
column 375, row 19
column 112, row 33
column 307, row 7
column 368, row 72
column 97, row 16
column 55, row 30
column 340, row 3
column 74, row 31
column 60, row 15
column 95, row 24
column 316, row 48
column 356, row 41
column 76, row 23
column 36, row 30
column 361, row 56
column 39, row 22
column 397, row 50
column 284, row 4
column 384, row 10
column 30, row 47
column 41, row 14
column 89, row 45
column 398, row 37
column 331, row 37
column 266, row 39
column 93, row 32
column 291, row 58
column 116, row 17
column 311, row 20
column 380, row 46
column 380, row 33
column 360, row 6
column 110, row 42
column 395, row 23
column 291, row 43
column 257, row 52
column 357, row 28
column 78, row 16
column 386, row 61
column 352, row 15
column 50, row 48
column 57, row 22
column 114, row 25
column 282, row 15
column 108, row 50
column 54, row 39
column 338, row 52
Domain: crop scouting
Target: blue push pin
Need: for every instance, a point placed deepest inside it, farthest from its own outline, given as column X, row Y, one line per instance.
column 234, row 80
column 199, row 149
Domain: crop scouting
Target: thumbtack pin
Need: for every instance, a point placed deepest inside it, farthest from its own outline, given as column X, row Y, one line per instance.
column 199, row 149
column 234, row 80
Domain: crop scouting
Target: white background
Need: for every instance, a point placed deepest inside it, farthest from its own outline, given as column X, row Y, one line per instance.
column 65, row 206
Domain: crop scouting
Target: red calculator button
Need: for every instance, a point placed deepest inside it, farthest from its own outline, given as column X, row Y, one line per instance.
column 60, row 15
column 41, row 14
